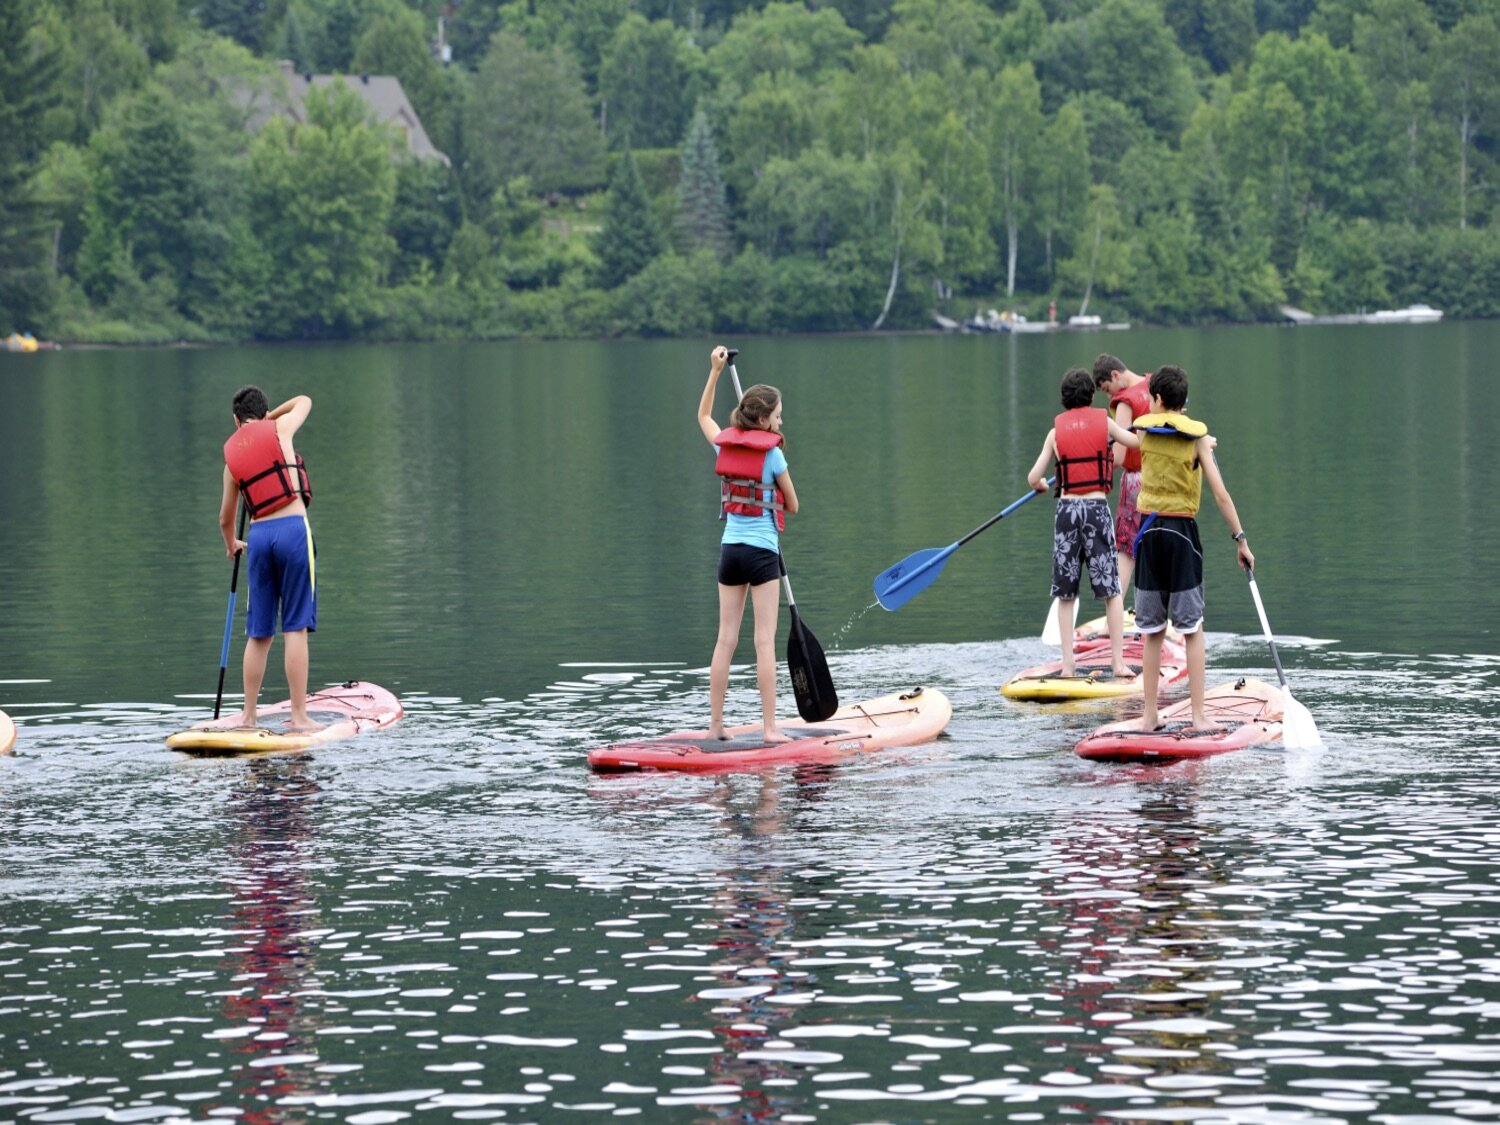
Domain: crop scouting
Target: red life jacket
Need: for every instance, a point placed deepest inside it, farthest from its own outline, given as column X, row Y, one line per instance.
column 253, row 454
column 1084, row 462
column 1138, row 398
column 740, row 465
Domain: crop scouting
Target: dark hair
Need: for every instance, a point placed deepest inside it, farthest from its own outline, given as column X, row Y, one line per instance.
column 250, row 403
column 755, row 408
column 1105, row 365
column 1170, row 384
column 1077, row 388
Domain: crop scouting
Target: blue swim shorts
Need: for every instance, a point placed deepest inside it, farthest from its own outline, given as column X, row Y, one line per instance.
column 282, row 574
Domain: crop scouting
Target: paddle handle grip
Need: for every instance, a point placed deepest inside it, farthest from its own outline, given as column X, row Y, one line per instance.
column 1000, row 515
column 1265, row 624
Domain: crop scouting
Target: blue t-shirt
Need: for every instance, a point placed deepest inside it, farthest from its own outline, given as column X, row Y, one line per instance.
column 759, row 531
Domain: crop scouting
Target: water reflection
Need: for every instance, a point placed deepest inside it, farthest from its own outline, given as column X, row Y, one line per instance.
column 272, row 971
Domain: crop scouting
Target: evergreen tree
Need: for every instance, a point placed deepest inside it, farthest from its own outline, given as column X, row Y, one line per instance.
column 27, row 89
column 630, row 238
column 238, row 19
column 702, row 220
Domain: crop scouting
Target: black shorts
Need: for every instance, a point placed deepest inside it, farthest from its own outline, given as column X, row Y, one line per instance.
column 1168, row 575
column 743, row 565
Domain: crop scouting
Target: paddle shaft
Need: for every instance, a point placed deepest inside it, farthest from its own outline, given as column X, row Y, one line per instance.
column 1265, row 625
column 234, row 582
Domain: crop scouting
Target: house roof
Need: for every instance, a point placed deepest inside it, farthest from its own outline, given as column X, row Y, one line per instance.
column 381, row 92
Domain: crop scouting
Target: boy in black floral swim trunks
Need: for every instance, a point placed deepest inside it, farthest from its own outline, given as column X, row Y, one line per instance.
column 1083, row 531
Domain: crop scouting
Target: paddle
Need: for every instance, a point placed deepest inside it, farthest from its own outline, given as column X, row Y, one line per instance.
column 1298, row 731
column 234, row 581
column 897, row 585
column 811, row 682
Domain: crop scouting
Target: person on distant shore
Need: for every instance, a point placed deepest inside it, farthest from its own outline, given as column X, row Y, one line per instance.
column 1129, row 398
column 756, row 494
column 1176, row 457
column 262, row 470
column 1083, row 534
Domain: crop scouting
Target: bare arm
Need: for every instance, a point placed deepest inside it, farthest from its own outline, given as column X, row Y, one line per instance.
column 1123, row 417
column 1037, row 477
column 228, row 501
column 1123, row 437
column 706, row 421
column 1223, row 499
column 789, row 494
column 290, row 415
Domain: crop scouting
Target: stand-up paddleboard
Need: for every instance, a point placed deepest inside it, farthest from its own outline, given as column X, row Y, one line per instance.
column 7, row 733
column 1094, row 676
column 892, row 720
column 345, row 710
column 1098, row 630
column 1249, row 711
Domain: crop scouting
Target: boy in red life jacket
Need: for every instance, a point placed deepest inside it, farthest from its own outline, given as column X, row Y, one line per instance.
column 1129, row 399
column 262, row 468
column 1083, row 533
column 757, row 495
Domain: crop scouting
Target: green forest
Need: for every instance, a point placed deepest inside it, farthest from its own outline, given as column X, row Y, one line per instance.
column 673, row 167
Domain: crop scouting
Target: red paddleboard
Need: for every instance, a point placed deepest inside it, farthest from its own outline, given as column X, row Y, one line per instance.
column 1249, row 711
column 1096, row 630
column 345, row 710
column 892, row 720
column 1094, row 676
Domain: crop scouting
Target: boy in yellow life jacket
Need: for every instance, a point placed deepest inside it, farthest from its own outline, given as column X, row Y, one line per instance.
column 1176, row 457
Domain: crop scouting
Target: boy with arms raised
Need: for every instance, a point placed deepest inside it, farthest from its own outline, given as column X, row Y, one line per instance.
column 1129, row 398
column 1083, row 533
column 262, row 468
column 1176, row 457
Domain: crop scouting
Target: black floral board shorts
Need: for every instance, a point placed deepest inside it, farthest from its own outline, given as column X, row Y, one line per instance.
column 1083, row 535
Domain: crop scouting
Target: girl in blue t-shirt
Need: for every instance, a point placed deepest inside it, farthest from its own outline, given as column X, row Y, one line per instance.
column 750, row 554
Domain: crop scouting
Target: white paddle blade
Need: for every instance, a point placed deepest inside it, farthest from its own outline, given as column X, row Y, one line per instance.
column 1298, row 731
column 1052, row 631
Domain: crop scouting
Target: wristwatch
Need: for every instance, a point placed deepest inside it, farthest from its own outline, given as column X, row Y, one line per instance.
column 1238, row 537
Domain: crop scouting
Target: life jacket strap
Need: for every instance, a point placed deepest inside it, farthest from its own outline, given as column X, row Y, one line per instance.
column 728, row 496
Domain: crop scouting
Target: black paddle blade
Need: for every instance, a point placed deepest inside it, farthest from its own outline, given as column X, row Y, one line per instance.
column 816, row 698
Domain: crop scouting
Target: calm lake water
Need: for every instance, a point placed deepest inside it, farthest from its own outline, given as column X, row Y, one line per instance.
column 454, row 920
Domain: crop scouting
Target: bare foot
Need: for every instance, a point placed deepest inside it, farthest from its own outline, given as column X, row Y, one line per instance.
column 303, row 726
column 718, row 735
column 1150, row 723
column 1122, row 673
column 1069, row 673
column 245, row 719
column 772, row 735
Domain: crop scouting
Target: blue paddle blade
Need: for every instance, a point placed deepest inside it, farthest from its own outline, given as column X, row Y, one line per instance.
column 909, row 577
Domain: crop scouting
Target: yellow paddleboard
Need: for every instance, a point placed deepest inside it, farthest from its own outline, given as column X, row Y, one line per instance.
column 346, row 710
column 1093, row 676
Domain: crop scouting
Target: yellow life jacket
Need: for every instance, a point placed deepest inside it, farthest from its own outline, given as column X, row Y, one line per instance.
column 1171, row 478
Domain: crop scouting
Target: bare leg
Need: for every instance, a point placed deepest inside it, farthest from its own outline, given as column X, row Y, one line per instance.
column 257, row 649
column 295, row 646
column 767, row 599
column 1150, row 673
column 1114, row 613
column 1065, row 631
column 731, row 612
column 1194, row 641
column 1127, row 572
